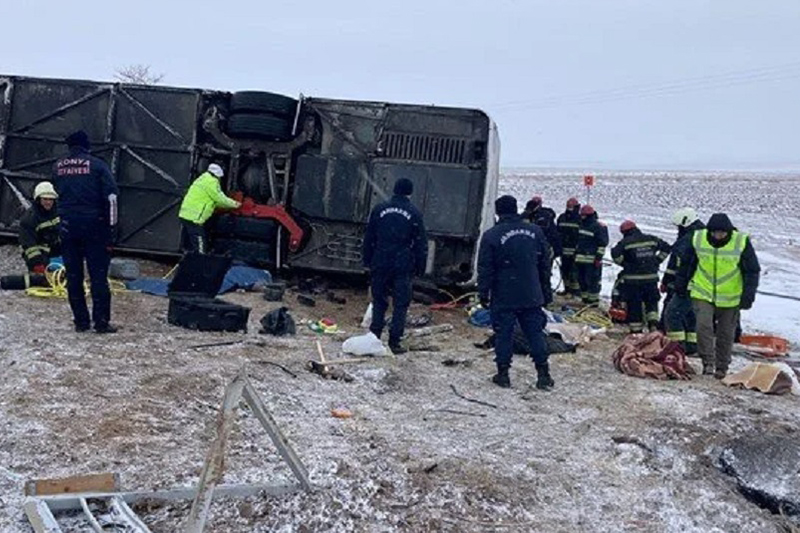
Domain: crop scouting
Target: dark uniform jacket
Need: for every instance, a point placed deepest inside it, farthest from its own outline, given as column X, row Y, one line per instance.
column 395, row 238
column 545, row 218
column 83, row 183
column 679, row 249
column 592, row 240
column 39, row 235
column 569, row 223
column 640, row 255
column 513, row 265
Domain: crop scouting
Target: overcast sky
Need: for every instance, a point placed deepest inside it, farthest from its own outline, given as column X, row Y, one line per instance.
column 573, row 83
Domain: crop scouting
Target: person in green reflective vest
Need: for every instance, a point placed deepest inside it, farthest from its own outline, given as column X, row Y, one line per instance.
column 720, row 273
column 202, row 199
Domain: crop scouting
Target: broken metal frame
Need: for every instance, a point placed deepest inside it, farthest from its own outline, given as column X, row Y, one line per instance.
column 39, row 510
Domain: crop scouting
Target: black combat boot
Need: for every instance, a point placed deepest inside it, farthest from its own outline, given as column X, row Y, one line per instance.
column 544, row 381
column 501, row 379
column 708, row 369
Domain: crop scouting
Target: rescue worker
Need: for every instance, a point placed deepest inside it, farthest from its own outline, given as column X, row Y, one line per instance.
column 87, row 197
column 639, row 255
column 38, row 229
column 545, row 218
column 202, row 199
column 720, row 273
column 589, row 252
column 679, row 319
column 568, row 224
column 395, row 249
column 514, row 282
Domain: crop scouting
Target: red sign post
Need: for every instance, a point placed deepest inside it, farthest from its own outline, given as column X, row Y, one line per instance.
column 588, row 181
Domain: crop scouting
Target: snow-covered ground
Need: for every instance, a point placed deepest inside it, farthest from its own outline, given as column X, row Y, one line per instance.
column 760, row 204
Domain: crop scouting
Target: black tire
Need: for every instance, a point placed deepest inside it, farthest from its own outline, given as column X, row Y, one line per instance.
column 259, row 127
column 263, row 102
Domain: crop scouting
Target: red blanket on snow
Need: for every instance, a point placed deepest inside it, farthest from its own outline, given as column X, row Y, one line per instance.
column 652, row 355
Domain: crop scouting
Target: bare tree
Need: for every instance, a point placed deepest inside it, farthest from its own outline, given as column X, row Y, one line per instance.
column 139, row 74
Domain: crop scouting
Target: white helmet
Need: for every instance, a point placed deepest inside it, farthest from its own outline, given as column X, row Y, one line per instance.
column 44, row 189
column 684, row 217
column 215, row 170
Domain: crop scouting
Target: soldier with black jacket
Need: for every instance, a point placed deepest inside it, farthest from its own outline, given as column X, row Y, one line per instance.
column 395, row 249
column 640, row 255
column 569, row 224
column 38, row 229
column 678, row 318
column 589, row 252
column 545, row 218
column 514, row 278
column 87, row 196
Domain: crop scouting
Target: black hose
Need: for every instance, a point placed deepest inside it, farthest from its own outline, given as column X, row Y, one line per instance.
column 776, row 295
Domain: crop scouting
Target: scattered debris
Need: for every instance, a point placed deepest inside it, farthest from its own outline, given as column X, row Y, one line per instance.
column 652, row 355
column 105, row 482
column 479, row 402
column 308, row 301
column 322, row 367
column 466, row 363
column 625, row 439
column 455, row 412
column 277, row 365
column 430, row 330
column 216, row 344
column 273, row 292
column 278, row 322
column 367, row 344
column 766, row 378
column 334, row 298
column 423, row 346
column 419, row 321
column 341, row 412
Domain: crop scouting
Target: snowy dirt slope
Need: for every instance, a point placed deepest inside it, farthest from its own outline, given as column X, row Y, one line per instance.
column 602, row 453
column 763, row 205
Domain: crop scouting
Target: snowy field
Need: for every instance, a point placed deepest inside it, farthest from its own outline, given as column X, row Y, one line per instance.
column 760, row 204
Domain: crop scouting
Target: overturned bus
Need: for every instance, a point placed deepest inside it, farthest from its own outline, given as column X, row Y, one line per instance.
column 309, row 170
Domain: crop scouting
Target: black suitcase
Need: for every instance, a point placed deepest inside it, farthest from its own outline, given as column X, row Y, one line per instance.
column 192, row 296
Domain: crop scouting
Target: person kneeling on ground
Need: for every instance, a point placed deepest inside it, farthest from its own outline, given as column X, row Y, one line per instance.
column 514, row 277
column 38, row 229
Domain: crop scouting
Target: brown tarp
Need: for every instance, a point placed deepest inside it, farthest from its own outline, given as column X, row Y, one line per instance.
column 652, row 355
column 762, row 377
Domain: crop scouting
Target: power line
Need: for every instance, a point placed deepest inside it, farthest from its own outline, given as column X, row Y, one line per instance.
column 700, row 83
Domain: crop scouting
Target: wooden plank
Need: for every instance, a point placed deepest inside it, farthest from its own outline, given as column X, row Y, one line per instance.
column 105, row 482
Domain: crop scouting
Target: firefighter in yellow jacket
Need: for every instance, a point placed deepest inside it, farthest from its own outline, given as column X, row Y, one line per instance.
column 203, row 198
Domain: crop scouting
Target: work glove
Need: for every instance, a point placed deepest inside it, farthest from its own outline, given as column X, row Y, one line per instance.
column 747, row 303
column 38, row 269
column 598, row 262
column 484, row 301
column 663, row 288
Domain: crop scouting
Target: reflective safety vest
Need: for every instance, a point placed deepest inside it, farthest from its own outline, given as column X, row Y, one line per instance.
column 203, row 198
column 718, row 278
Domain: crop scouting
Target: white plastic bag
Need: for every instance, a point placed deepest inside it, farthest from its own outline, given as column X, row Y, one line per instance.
column 367, row 320
column 361, row 345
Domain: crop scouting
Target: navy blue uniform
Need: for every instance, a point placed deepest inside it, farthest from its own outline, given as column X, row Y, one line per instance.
column 395, row 248
column 514, row 274
column 679, row 319
column 84, row 184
